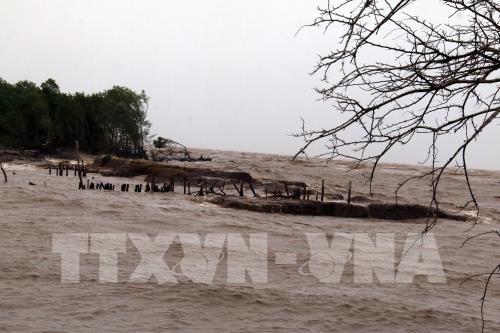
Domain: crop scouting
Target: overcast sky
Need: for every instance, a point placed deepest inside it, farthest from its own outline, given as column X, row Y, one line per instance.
column 224, row 74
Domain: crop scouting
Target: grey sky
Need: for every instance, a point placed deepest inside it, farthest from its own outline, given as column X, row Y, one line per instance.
column 220, row 74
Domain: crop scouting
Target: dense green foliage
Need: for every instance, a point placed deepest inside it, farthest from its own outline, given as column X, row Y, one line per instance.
column 44, row 117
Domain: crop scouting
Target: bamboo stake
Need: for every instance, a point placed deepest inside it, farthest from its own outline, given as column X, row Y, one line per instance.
column 78, row 163
column 349, row 193
column 322, row 189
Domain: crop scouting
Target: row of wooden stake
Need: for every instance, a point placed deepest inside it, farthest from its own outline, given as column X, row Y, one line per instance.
column 156, row 188
column 62, row 168
column 81, row 171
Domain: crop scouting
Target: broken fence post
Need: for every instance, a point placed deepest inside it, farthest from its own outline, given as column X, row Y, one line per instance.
column 349, row 193
column 252, row 189
column 322, row 189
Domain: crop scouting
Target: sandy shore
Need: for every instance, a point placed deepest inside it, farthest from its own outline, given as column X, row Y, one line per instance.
column 33, row 299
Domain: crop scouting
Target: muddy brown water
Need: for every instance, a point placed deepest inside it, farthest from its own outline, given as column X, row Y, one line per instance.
column 33, row 299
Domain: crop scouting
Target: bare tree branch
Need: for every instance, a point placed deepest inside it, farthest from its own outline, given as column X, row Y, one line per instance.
column 396, row 76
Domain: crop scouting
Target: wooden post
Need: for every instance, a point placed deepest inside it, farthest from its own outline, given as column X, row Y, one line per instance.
column 50, row 169
column 80, row 175
column 252, row 189
column 189, row 188
column 67, row 169
column 316, row 195
column 172, row 184
column 286, row 189
column 88, row 183
column 305, row 190
column 3, row 171
column 184, row 183
column 77, row 152
column 60, row 169
column 241, row 188
column 83, row 170
column 322, row 189
column 349, row 193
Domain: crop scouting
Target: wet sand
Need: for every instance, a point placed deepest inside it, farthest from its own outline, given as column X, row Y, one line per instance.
column 33, row 299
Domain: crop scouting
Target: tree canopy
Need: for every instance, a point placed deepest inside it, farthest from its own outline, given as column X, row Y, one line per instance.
column 42, row 117
column 396, row 75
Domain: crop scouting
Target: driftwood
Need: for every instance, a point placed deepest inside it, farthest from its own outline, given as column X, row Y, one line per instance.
column 3, row 171
column 169, row 152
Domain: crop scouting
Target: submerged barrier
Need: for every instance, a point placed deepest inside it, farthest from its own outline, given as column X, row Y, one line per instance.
column 284, row 197
column 339, row 209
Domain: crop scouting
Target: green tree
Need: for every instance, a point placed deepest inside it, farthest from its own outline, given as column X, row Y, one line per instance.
column 113, row 121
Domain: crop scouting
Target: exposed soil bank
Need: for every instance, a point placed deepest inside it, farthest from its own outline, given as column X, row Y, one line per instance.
column 119, row 167
column 8, row 155
column 340, row 209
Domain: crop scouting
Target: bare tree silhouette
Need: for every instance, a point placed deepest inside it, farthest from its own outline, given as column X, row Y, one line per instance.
column 396, row 75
